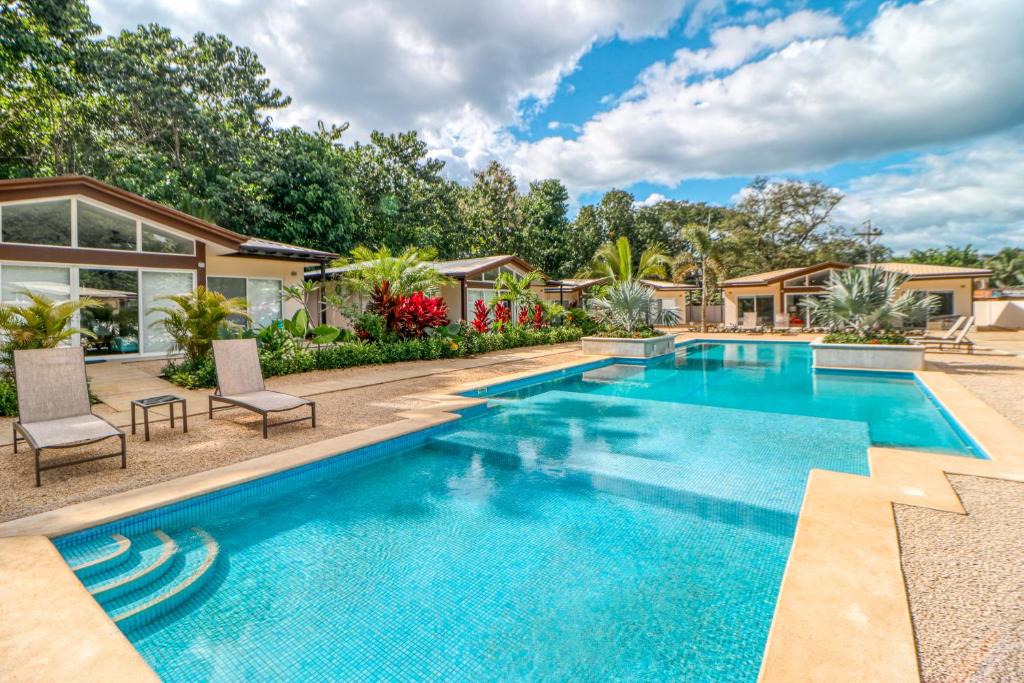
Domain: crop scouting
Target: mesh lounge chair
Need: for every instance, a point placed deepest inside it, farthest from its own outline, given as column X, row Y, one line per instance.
column 749, row 324
column 945, row 335
column 240, row 384
column 53, row 406
column 959, row 342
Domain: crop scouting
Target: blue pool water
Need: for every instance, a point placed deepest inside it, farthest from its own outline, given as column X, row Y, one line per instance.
column 631, row 522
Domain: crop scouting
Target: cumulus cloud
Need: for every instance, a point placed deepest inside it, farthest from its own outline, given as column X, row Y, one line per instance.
column 457, row 70
column 971, row 194
column 935, row 72
column 652, row 199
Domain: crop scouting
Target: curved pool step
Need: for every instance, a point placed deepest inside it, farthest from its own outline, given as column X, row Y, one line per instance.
column 191, row 568
column 100, row 555
column 153, row 552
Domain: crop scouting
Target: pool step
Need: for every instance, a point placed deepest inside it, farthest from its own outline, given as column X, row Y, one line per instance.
column 161, row 572
column 101, row 555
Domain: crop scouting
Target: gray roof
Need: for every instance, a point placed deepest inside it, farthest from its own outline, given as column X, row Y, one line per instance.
column 457, row 268
column 255, row 246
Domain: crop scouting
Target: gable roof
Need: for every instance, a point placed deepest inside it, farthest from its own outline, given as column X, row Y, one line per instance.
column 916, row 271
column 147, row 209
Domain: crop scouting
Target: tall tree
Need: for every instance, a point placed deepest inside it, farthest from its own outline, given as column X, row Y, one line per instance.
column 703, row 257
column 618, row 261
column 492, row 213
column 584, row 238
column 617, row 213
column 966, row 257
column 546, row 239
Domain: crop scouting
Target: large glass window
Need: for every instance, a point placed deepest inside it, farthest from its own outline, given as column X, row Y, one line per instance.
column 46, row 223
column 761, row 308
column 945, row 306
column 473, row 294
column 154, row 286
column 163, row 242
column 114, row 322
column 53, row 283
column 102, row 229
column 263, row 296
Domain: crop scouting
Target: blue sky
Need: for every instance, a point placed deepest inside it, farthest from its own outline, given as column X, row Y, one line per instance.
column 912, row 108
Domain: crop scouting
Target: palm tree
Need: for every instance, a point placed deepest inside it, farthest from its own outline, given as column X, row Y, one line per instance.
column 40, row 323
column 629, row 305
column 198, row 318
column 705, row 259
column 615, row 260
column 868, row 300
column 517, row 292
column 1007, row 268
column 408, row 272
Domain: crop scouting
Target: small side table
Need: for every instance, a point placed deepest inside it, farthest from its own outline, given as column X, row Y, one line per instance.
column 166, row 400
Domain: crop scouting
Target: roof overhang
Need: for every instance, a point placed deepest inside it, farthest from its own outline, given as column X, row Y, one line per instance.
column 755, row 281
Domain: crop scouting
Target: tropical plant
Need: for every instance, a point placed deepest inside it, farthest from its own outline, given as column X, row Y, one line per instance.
column 615, row 260
column 517, row 292
column 418, row 313
column 406, row 273
column 629, row 307
column 502, row 316
column 868, row 301
column 198, row 318
column 480, row 316
column 1007, row 267
column 302, row 294
column 705, row 260
column 40, row 323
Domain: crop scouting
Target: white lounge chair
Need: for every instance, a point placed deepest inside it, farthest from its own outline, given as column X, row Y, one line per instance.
column 240, row 384
column 948, row 334
column 53, row 406
column 958, row 342
column 749, row 324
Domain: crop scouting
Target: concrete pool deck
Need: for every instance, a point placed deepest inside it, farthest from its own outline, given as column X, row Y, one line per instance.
column 842, row 614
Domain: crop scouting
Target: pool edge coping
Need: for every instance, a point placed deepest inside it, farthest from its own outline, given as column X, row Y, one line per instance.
column 796, row 638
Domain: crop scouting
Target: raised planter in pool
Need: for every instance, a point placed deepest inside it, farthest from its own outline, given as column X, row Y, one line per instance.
column 867, row 356
column 630, row 348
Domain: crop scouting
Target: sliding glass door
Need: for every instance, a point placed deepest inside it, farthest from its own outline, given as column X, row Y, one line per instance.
column 114, row 321
column 156, row 284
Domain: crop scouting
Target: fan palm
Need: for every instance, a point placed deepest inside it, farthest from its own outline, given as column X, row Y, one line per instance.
column 40, row 323
column 630, row 305
column 407, row 272
column 615, row 260
column 704, row 259
column 198, row 318
column 868, row 300
column 1007, row 268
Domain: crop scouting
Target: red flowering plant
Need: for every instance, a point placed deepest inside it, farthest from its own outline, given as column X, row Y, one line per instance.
column 524, row 316
column 502, row 316
column 538, row 316
column 480, row 316
column 418, row 312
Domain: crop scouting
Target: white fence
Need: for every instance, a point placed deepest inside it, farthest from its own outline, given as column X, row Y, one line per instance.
column 715, row 314
column 1006, row 313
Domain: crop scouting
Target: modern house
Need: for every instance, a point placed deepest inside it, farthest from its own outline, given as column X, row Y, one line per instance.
column 71, row 237
column 775, row 297
column 471, row 279
column 571, row 292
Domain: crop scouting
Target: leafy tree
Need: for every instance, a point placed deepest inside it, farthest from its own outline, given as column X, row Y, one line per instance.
column 546, row 238
column 967, row 257
column 584, row 238
column 615, row 260
column 617, row 214
column 492, row 212
column 406, row 272
column 1007, row 267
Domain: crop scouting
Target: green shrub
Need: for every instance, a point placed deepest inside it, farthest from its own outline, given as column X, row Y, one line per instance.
column 284, row 360
column 8, row 397
column 884, row 337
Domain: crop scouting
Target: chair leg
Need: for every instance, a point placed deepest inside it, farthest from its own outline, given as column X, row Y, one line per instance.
column 211, row 407
column 14, row 430
column 124, row 453
column 264, row 425
column 312, row 412
column 39, row 481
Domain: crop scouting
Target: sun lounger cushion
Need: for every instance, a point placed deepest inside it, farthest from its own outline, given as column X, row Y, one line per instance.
column 69, row 431
column 269, row 401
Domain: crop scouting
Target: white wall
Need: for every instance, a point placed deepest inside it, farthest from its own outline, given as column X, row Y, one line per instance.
column 999, row 313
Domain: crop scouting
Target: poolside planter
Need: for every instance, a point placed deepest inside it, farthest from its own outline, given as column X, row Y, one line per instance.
column 868, row 356
column 630, row 348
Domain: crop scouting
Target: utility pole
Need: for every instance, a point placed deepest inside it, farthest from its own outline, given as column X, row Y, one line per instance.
column 869, row 234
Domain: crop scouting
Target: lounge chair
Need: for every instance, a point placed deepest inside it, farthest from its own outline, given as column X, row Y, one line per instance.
column 958, row 342
column 947, row 334
column 53, row 406
column 240, row 384
column 749, row 324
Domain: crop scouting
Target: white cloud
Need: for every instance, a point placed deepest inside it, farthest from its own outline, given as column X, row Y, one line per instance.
column 969, row 195
column 457, row 70
column 652, row 199
column 935, row 72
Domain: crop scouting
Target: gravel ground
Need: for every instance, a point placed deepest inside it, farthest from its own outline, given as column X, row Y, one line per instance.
column 997, row 379
column 965, row 582
column 230, row 437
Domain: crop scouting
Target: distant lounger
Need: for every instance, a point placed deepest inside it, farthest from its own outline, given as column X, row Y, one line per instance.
column 948, row 334
column 53, row 406
column 240, row 383
column 958, row 342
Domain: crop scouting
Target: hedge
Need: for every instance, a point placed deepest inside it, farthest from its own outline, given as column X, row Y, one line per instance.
column 201, row 373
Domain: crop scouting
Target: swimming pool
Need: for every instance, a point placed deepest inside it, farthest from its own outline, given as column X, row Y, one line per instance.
column 627, row 521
